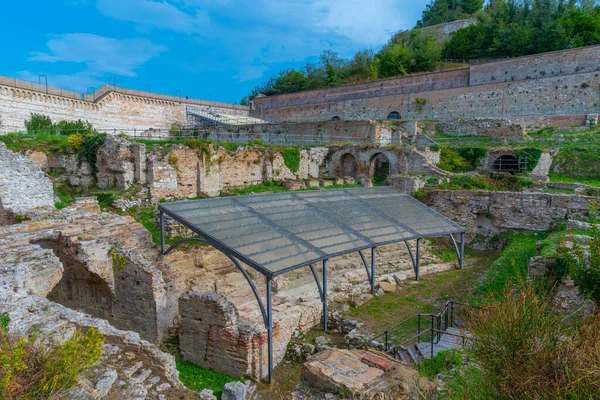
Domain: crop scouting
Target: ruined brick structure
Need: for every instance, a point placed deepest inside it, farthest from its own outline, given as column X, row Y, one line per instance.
column 109, row 108
column 557, row 88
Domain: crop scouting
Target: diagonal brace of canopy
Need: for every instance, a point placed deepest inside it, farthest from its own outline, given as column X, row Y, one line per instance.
column 281, row 232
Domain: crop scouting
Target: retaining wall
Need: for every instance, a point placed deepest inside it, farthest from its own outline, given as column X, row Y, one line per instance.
column 562, row 84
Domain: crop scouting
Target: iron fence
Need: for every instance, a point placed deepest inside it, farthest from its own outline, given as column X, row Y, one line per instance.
column 217, row 135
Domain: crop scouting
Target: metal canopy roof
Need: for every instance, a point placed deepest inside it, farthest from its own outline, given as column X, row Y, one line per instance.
column 279, row 232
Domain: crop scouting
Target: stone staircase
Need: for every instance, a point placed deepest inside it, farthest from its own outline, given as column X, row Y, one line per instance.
column 420, row 351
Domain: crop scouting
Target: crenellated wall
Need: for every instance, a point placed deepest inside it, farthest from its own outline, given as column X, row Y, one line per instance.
column 108, row 109
column 558, row 88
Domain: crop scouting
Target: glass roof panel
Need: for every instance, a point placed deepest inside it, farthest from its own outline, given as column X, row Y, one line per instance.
column 278, row 232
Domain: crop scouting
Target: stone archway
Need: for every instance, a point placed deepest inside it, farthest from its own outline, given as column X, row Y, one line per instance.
column 348, row 164
column 379, row 168
column 506, row 163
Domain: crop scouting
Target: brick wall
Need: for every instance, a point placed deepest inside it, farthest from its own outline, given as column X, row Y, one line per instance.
column 566, row 91
column 107, row 109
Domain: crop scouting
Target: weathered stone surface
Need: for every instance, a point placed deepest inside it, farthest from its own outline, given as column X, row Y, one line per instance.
column 234, row 391
column 96, row 262
column 538, row 267
column 115, row 164
column 387, row 287
column 23, row 187
column 491, row 127
column 340, row 370
column 569, row 300
column 485, row 213
column 206, row 394
column 408, row 184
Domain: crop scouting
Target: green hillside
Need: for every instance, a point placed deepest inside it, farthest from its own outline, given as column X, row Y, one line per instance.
column 505, row 28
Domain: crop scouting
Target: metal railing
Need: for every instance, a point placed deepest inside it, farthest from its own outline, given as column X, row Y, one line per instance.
column 221, row 135
column 438, row 325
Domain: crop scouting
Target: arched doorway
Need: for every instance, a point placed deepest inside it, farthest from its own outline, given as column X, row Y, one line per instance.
column 394, row 115
column 348, row 165
column 380, row 168
column 336, row 118
column 506, row 163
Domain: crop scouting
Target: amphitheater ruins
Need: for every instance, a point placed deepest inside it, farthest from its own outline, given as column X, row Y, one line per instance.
column 97, row 262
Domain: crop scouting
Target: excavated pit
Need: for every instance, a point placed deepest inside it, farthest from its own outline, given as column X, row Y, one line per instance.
column 79, row 289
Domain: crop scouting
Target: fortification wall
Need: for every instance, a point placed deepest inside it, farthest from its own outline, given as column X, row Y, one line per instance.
column 563, row 98
column 108, row 109
column 565, row 62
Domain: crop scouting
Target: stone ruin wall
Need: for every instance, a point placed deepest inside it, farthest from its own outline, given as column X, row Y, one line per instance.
column 108, row 110
column 559, row 88
column 303, row 133
column 485, row 213
column 178, row 171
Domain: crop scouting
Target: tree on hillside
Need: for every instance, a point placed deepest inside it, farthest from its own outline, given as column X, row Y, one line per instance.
column 505, row 28
column 393, row 61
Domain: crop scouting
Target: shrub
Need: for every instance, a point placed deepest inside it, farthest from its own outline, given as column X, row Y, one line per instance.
column 584, row 268
column 75, row 141
column 420, row 103
column 530, row 155
column 451, row 161
column 462, row 159
column 39, row 123
column 291, row 158
column 91, row 144
column 73, row 127
column 29, row 371
column 527, row 351
column 473, row 155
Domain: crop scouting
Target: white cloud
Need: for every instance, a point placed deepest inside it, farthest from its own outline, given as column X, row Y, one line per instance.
column 102, row 55
column 158, row 14
column 257, row 34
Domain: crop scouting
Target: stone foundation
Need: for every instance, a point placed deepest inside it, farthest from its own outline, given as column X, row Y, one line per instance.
column 485, row 213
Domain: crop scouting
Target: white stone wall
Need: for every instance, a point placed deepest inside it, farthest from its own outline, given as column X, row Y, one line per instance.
column 113, row 112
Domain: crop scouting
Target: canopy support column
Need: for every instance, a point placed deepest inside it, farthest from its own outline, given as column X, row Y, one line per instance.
column 418, row 260
column 314, row 272
column 325, row 316
column 373, row 270
column 270, row 328
column 462, row 250
column 162, row 233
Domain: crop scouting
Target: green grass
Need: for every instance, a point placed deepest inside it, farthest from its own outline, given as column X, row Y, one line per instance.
column 512, row 263
column 570, row 179
column 196, row 378
column 428, row 296
column 558, row 191
column 193, row 376
column 50, row 143
column 443, row 363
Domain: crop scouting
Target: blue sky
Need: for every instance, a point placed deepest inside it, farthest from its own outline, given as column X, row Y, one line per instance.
column 211, row 49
